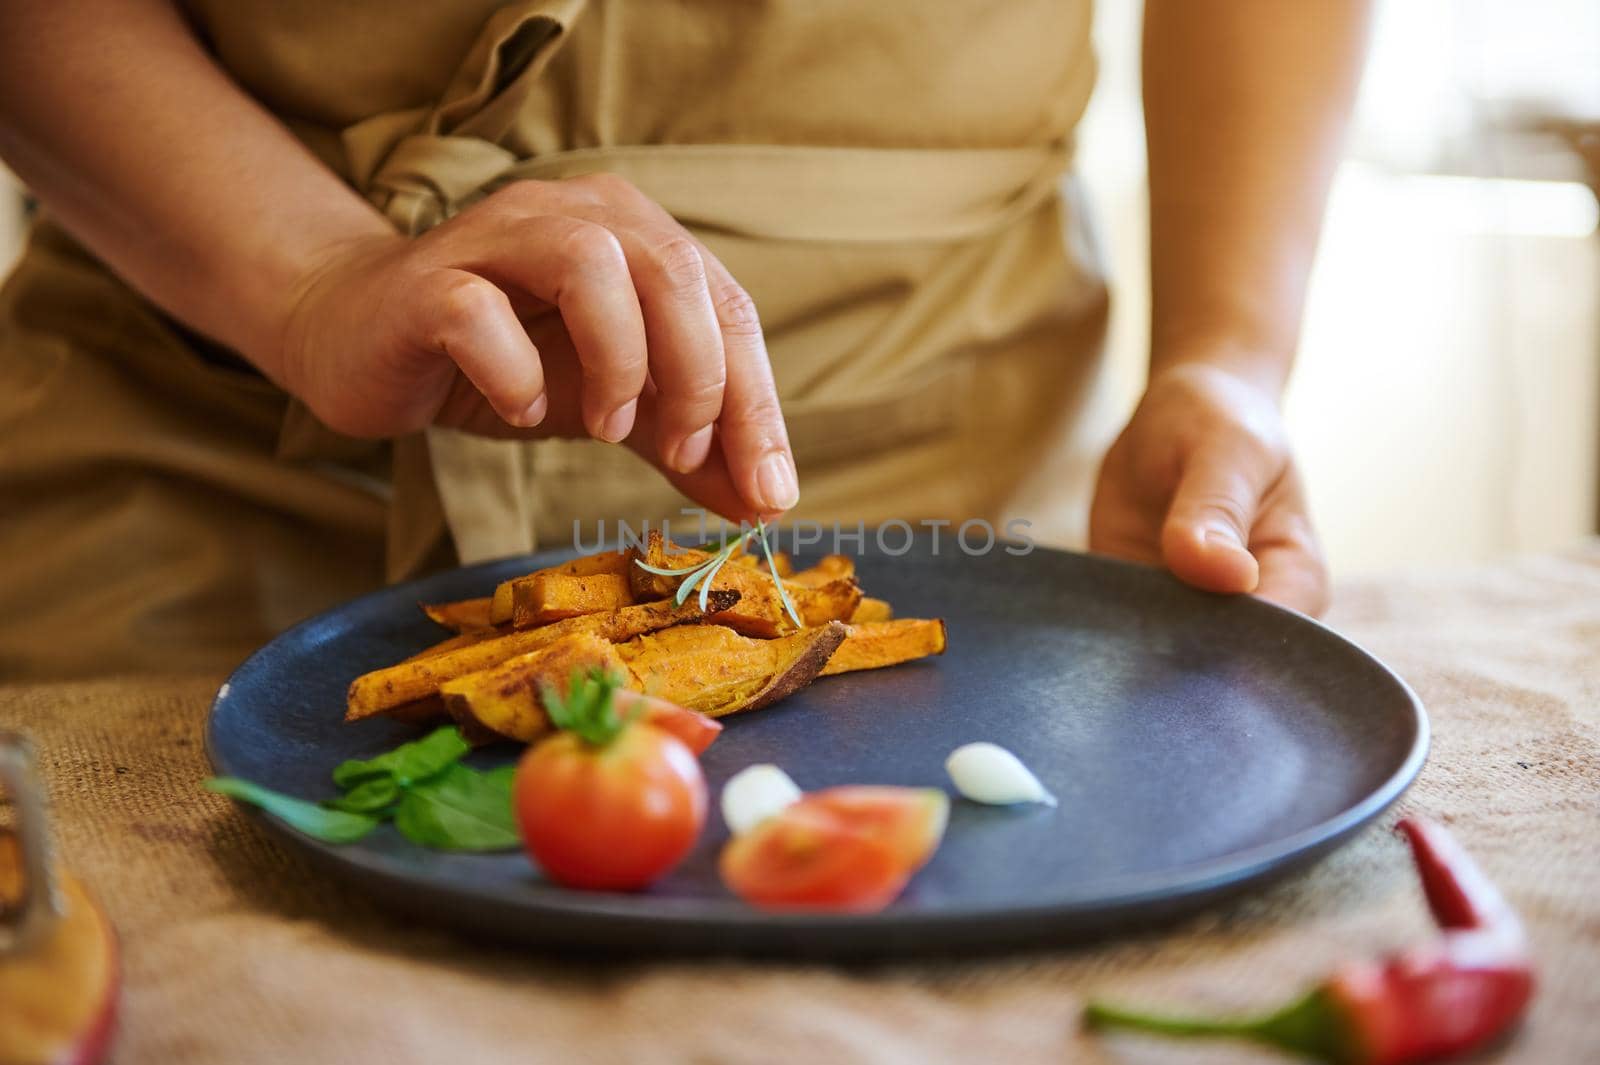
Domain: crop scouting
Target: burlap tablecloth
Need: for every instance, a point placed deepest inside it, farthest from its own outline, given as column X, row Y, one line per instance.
column 235, row 951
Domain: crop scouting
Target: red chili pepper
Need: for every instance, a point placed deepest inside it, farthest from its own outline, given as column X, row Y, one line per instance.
column 1446, row 998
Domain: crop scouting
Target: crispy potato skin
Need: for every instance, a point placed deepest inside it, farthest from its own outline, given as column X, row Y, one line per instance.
column 876, row 644
column 545, row 597
column 714, row 670
column 507, row 701
column 385, row 689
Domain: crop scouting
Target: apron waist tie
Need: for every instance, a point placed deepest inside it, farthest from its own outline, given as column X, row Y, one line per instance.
column 775, row 192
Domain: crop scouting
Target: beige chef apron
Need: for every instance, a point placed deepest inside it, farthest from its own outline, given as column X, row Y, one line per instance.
column 885, row 179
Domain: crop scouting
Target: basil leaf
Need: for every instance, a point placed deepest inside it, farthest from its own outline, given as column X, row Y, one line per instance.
column 460, row 809
column 330, row 826
column 372, row 796
column 409, row 762
column 502, row 777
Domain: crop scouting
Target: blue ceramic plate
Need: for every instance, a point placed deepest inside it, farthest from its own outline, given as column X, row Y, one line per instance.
column 1200, row 746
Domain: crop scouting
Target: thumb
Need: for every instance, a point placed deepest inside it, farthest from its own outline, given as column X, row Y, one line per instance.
column 1206, row 537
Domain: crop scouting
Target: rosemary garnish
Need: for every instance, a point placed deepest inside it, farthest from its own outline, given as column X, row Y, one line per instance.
column 701, row 574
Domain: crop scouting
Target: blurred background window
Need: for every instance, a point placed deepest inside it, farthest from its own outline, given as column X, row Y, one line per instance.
column 1446, row 403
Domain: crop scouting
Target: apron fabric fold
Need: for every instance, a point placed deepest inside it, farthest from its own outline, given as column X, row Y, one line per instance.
column 933, row 314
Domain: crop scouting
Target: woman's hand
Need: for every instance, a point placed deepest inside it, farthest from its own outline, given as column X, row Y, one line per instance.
column 551, row 308
column 1202, row 481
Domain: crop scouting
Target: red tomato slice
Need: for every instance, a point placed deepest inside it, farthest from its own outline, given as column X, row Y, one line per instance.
column 911, row 820
column 851, row 849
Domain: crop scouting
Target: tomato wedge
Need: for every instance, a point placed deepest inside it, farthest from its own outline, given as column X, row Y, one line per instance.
column 910, row 820
column 851, row 849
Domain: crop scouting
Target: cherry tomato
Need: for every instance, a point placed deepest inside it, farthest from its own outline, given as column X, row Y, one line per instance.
column 851, row 849
column 613, row 817
column 695, row 729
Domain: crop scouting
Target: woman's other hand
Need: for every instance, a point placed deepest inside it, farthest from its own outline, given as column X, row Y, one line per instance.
column 1202, row 481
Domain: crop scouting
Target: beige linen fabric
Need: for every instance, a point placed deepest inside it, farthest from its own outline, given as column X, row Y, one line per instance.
column 237, row 951
column 884, row 178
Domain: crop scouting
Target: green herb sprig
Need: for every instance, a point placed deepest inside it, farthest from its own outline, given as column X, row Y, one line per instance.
column 701, row 574
column 433, row 799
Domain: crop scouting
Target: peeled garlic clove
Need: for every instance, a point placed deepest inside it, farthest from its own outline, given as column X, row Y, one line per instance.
column 987, row 772
column 754, row 794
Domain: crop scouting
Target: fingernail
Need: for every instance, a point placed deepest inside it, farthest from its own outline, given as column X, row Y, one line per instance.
column 691, row 454
column 535, row 412
column 776, row 480
column 619, row 423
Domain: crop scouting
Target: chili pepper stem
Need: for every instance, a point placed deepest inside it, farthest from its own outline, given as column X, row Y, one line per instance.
column 1311, row 1026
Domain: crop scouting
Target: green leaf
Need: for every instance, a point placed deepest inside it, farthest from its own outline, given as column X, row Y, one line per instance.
column 372, row 796
column 460, row 809
column 330, row 826
column 408, row 763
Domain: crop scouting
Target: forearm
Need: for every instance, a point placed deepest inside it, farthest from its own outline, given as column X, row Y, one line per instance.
column 1245, row 108
column 143, row 148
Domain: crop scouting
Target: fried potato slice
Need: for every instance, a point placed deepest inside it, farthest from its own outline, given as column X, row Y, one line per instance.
column 384, row 689
column 870, row 609
column 507, row 701
column 712, row 669
column 829, row 568
column 545, row 597
column 503, row 602
column 462, row 615
column 459, row 640
column 876, row 644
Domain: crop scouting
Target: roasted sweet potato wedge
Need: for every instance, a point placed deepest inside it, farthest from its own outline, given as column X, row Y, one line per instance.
column 459, row 640
column 716, row 671
column 829, row 568
column 503, row 602
column 759, row 611
column 664, row 554
column 870, row 609
column 545, row 597
column 876, row 644
column 507, row 700
column 463, row 615
column 384, row 689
